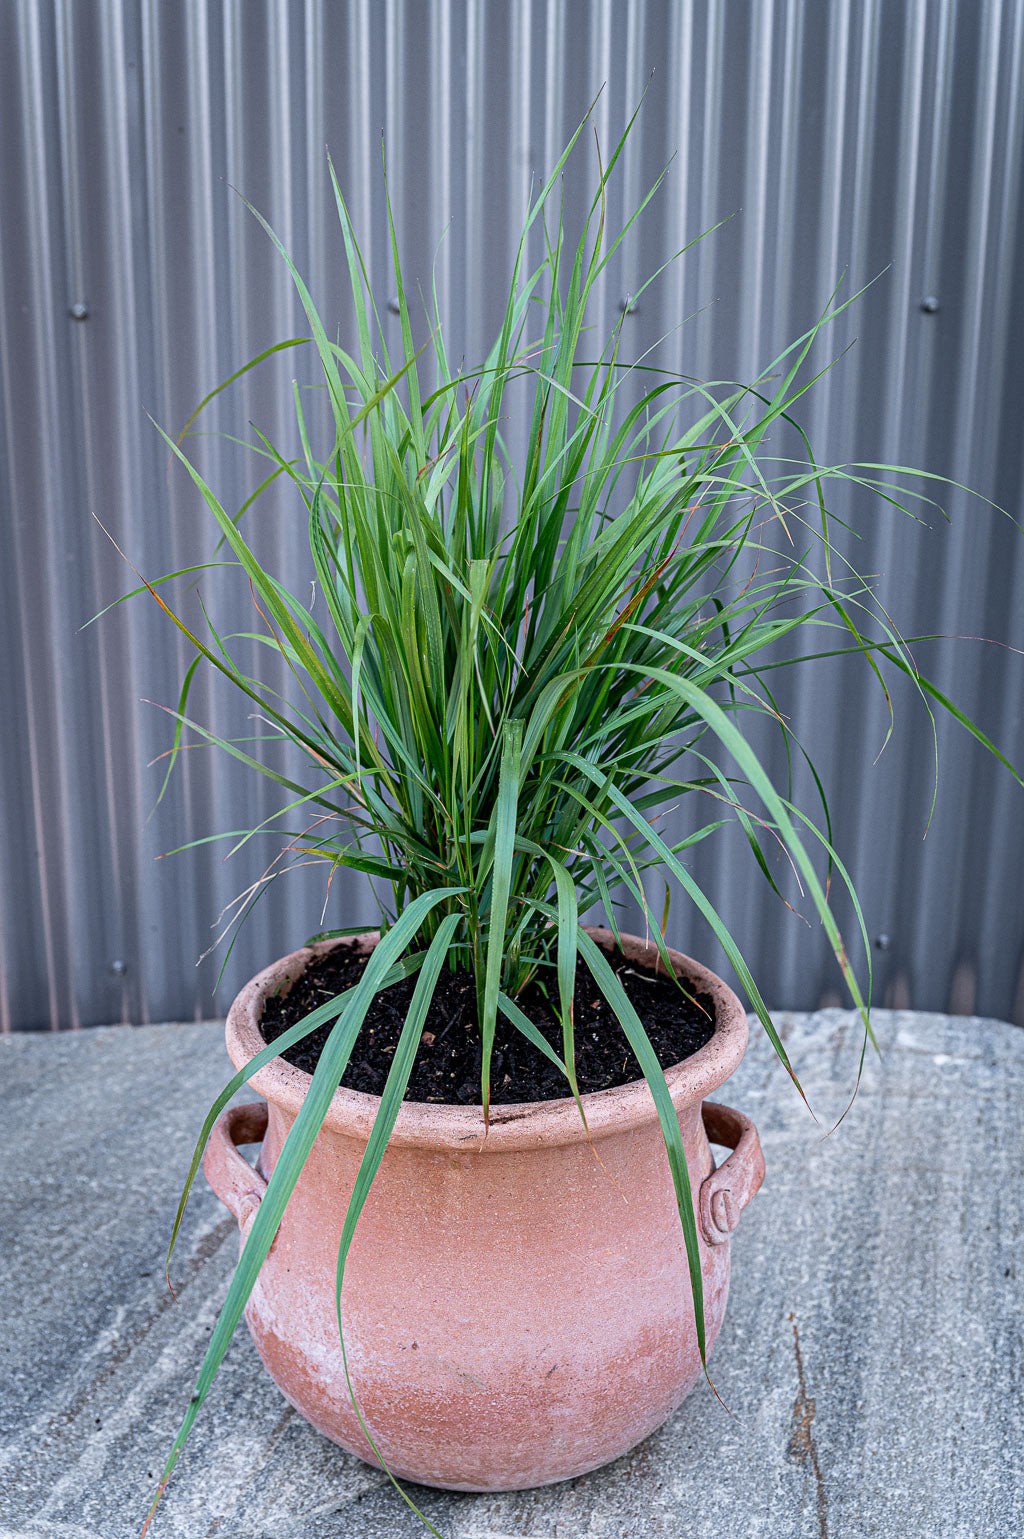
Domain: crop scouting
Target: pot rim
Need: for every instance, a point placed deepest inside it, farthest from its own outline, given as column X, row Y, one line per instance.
column 519, row 1125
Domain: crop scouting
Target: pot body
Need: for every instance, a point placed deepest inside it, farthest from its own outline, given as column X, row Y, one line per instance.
column 516, row 1306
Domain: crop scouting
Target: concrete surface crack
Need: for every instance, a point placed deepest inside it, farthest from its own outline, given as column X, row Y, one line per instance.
column 801, row 1440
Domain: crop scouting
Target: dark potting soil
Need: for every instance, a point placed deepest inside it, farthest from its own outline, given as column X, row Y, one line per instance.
column 447, row 1067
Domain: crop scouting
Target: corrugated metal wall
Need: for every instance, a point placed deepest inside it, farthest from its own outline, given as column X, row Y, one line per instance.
column 847, row 137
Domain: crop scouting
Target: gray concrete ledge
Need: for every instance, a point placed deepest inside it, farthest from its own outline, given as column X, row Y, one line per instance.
column 871, row 1356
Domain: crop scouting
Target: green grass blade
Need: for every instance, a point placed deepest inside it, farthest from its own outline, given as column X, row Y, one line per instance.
column 653, row 1073
column 300, row 1139
column 504, row 825
column 267, row 352
column 391, row 1100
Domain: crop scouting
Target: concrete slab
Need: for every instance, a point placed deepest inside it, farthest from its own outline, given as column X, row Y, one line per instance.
column 871, row 1357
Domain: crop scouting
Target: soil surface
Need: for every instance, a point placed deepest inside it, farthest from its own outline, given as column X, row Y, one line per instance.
column 447, row 1067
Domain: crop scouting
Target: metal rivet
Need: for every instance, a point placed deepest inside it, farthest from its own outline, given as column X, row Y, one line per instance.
column 119, row 967
column 628, row 305
column 79, row 311
column 882, row 942
column 930, row 304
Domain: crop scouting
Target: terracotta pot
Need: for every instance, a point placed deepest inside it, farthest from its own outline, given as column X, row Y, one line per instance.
column 516, row 1308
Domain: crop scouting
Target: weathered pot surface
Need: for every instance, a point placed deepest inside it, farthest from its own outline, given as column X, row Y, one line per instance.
column 516, row 1307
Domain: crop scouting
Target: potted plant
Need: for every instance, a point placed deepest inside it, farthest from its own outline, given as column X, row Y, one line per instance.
column 498, row 1254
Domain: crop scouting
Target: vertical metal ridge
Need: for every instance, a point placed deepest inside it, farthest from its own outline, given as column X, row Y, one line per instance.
column 44, row 278
column 441, row 146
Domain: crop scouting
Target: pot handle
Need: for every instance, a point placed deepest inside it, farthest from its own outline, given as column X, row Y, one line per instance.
column 238, row 1185
column 727, row 1190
